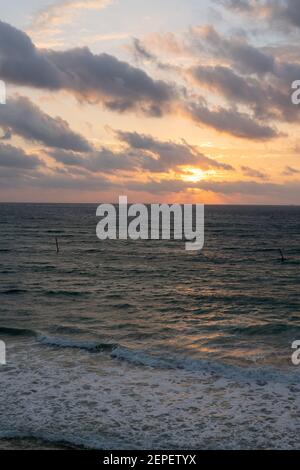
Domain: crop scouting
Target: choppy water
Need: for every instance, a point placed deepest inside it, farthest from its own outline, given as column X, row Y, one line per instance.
column 122, row 344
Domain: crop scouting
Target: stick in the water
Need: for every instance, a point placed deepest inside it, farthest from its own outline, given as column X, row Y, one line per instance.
column 282, row 256
column 57, row 246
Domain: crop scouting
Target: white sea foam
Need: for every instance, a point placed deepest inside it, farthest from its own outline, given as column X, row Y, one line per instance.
column 99, row 402
column 140, row 357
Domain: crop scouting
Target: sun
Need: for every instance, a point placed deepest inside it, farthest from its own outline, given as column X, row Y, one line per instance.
column 193, row 174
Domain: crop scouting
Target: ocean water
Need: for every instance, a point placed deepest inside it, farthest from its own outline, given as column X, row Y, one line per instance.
column 129, row 345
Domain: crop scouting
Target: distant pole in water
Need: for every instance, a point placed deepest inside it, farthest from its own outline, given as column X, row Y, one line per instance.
column 283, row 259
column 57, row 246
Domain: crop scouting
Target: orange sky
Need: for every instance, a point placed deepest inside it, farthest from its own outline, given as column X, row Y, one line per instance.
column 164, row 107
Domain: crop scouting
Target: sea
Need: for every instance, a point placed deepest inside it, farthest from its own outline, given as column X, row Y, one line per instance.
column 143, row 345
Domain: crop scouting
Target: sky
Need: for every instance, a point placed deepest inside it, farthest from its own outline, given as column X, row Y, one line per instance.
column 162, row 101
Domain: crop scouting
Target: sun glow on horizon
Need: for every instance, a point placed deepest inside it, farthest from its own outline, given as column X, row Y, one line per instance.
column 193, row 174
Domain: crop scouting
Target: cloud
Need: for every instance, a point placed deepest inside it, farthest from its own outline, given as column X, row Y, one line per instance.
column 67, row 179
column 98, row 161
column 237, row 5
column 141, row 52
column 230, row 121
column 282, row 12
column 287, row 191
column 289, row 12
column 254, row 173
column 244, row 190
column 62, row 12
column 118, row 85
column 13, row 157
column 20, row 116
column 236, row 50
column 69, row 182
column 121, row 87
column 158, row 187
column 258, row 78
column 141, row 152
column 6, row 134
column 263, row 98
column 170, row 154
column 164, row 44
column 290, row 171
column 96, row 78
column 21, row 63
column 253, row 82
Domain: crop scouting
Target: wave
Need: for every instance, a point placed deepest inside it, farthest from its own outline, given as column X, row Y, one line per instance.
column 63, row 329
column 12, row 291
column 4, row 330
column 40, row 440
column 266, row 329
column 91, row 346
column 65, row 293
column 47, row 293
column 261, row 375
column 138, row 357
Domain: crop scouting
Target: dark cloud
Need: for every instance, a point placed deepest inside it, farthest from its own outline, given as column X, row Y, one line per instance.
column 13, row 157
column 118, row 85
column 69, row 182
column 231, row 121
column 22, row 63
column 252, row 76
column 142, row 152
column 224, row 79
column 288, row 11
column 290, row 171
column 251, row 190
column 237, row 5
column 283, row 12
column 6, row 134
column 99, row 161
column 170, row 154
column 251, row 172
column 141, row 52
column 236, row 50
column 246, row 59
column 20, row 116
column 96, row 78
column 54, row 181
column 264, row 99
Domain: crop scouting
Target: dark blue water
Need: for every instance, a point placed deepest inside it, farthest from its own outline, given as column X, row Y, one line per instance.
column 142, row 344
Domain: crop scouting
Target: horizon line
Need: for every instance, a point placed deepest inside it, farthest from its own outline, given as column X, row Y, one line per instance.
column 149, row 203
